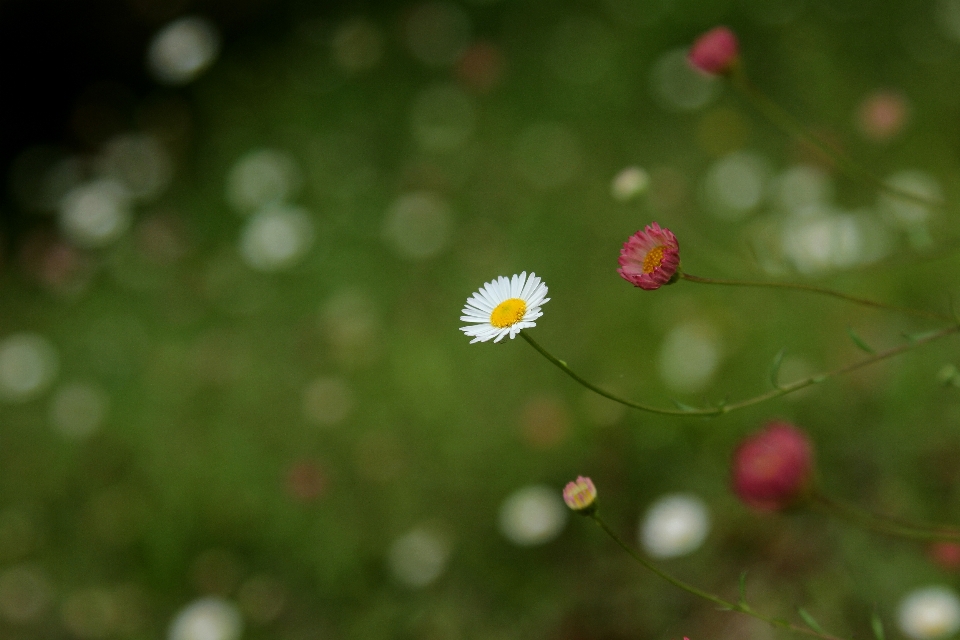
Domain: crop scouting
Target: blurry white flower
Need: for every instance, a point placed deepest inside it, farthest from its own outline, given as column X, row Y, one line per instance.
column 207, row 619
column 689, row 356
column 630, row 182
column 182, row 50
column 418, row 557
column 929, row 613
column 674, row 525
column 28, row 365
column 262, row 177
column 96, row 213
column 276, row 238
column 532, row 515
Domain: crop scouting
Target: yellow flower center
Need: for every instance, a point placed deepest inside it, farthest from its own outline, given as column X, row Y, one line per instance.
column 508, row 313
column 651, row 262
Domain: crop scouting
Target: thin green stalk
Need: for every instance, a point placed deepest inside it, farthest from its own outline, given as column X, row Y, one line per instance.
column 887, row 525
column 739, row 607
column 791, row 126
column 919, row 313
column 780, row 390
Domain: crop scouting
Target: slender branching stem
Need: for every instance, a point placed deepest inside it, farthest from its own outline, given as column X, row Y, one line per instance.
column 792, row 127
column 779, row 390
column 919, row 313
column 739, row 607
column 887, row 525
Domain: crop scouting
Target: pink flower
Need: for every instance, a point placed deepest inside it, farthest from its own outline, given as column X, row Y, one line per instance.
column 580, row 495
column 773, row 467
column 650, row 258
column 946, row 554
column 715, row 52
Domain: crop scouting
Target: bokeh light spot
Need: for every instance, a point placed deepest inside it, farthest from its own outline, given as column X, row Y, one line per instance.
column 678, row 87
column 675, row 525
column 182, row 50
column 437, row 33
column 418, row 225
column 28, row 365
column 533, row 515
column 443, row 118
column 419, row 557
column 327, row 401
column 78, row 409
column 95, row 214
column 276, row 238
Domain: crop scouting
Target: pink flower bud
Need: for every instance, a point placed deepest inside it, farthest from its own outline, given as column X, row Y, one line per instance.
column 580, row 495
column 715, row 52
column 773, row 467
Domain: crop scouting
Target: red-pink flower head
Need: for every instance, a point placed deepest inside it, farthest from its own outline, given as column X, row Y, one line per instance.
column 716, row 52
column 650, row 258
column 773, row 467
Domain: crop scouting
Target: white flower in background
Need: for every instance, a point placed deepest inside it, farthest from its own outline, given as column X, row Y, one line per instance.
column 207, row 619
column 532, row 515
column 419, row 557
column 929, row 613
column 276, row 238
column 629, row 183
column 96, row 213
column 28, row 365
column 182, row 50
column 674, row 525
column 504, row 307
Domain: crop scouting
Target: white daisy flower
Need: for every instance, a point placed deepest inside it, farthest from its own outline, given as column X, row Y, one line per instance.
column 504, row 307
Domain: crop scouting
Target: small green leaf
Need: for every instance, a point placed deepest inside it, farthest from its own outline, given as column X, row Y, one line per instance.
column 857, row 340
column 775, row 368
column 810, row 622
column 743, row 588
column 877, row 625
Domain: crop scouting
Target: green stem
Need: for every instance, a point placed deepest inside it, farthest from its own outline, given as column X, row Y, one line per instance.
column 780, row 390
column 791, row 126
column 920, row 313
column 739, row 607
column 887, row 525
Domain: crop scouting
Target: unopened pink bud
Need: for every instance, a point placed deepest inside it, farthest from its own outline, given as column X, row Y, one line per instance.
column 773, row 467
column 580, row 495
column 715, row 52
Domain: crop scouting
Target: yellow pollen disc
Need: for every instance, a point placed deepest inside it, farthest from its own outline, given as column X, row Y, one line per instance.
column 652, row 260
column 508, row 313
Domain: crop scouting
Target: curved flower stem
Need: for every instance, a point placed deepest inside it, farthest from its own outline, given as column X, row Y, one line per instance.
column 919, row 313
column 739, row 607
column 888, row 525
column 791, row 126
column 780, row 390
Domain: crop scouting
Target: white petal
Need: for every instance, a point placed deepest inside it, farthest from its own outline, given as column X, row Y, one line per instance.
column 529, row 287
column 480, row 303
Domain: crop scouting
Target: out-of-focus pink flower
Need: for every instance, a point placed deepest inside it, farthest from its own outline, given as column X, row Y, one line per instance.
column 650, row 258
column 580, row 495
column 883, row 115
column 716, row 52
column 773, row 467
column 946, row 554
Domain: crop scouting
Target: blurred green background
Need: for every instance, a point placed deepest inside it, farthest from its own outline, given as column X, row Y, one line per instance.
column 230, row 363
